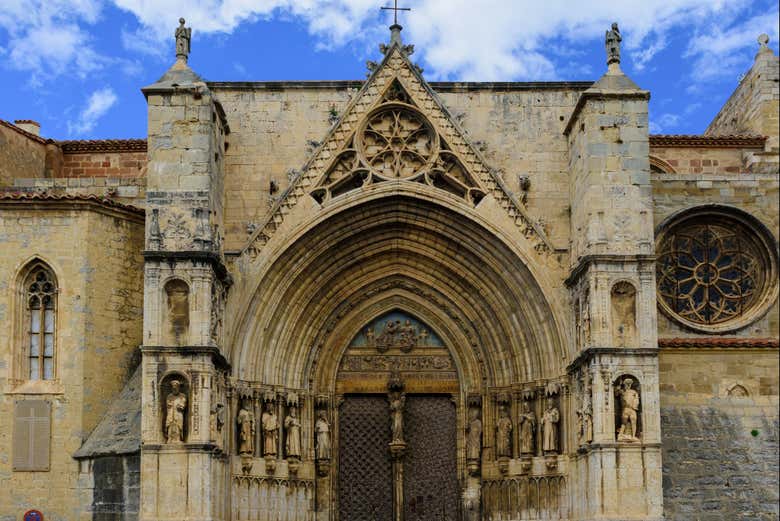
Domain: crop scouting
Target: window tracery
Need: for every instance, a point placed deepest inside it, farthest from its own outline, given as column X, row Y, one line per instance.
column 41, row 296
column 712, row 271
column 397, row 142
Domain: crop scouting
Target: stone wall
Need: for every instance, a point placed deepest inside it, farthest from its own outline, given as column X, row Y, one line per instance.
column 116, row 486
column 107, row 164
column 720, row 450
column 754, row 107
column 20, row 155
column 94, row 252
column 274, row 131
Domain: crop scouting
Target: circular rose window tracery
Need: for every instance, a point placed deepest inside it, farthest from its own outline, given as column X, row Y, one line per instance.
column 713, row 271
column 397, row 142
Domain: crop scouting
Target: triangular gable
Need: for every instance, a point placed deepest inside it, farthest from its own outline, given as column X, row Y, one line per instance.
column 443, row 157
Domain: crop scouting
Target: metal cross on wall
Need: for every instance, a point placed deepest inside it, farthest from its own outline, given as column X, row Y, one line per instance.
column 395, row 10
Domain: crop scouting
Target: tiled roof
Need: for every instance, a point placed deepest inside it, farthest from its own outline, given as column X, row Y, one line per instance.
column 697, row 141
column 719, row 342
column 44, row 196
column 103, row 145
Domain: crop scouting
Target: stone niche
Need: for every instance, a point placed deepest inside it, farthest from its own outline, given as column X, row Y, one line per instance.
column 623, row 300
column 177, row 312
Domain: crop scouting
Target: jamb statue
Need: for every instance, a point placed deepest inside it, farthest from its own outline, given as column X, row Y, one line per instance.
column 503, row 433
column 246, row 430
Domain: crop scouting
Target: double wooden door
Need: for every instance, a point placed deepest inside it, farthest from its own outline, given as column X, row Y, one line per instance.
column 427, row 472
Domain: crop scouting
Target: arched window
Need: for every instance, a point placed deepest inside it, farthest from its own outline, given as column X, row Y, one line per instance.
column 40, row 290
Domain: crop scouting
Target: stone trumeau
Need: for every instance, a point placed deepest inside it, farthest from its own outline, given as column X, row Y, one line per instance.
column 185, row 284
column 612, row 282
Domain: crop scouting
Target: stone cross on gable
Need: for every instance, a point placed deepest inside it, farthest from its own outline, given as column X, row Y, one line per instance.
column 395, row 10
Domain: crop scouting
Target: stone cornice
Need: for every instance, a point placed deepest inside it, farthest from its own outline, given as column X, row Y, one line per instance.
column 593, row 352
column 606, row 258
column 438, row 86
column 601, row 94
column 49, row 201
column 210, row 257
column 206, row 350
column 704, row 141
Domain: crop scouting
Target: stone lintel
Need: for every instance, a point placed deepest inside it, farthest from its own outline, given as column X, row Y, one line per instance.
column 210, row 257
column 605, row 258
column 593, row 352
column 601, row 94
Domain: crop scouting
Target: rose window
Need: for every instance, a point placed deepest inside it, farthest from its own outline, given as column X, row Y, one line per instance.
column 712, row 271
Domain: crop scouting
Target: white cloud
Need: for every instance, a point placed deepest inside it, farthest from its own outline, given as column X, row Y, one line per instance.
column 722, row 51
column 98, row 104
column 664, row 123
column 461, row 39
column 47, row 37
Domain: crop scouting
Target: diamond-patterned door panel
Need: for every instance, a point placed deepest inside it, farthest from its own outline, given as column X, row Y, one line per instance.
column 365, row 475
column 430, row 468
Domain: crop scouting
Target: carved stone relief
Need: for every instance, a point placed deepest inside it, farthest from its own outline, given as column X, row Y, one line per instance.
column 504, row 433
column 585, row 411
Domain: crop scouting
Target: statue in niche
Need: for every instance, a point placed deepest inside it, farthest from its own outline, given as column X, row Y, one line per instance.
column 270, row 431
column 246, row 429
column 474, row 440
column 550, row 421
column 322, row 433
column 175, row 405
column 612, row 42
column 183, row 36
column 292, row 427
column 629, row 401
column 503, row 433
column 527, row 423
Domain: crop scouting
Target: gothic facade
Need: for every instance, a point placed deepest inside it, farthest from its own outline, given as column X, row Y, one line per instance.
column 393, row 300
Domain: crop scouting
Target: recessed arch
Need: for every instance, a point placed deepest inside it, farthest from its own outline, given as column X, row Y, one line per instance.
column 392, row 244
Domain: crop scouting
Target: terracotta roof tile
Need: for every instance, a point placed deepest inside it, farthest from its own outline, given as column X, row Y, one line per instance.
column 719, row 342
column 103, row 145
column 44, row 196
column 704, row 141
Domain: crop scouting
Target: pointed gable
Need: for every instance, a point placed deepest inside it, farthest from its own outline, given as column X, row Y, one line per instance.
column 397, row 129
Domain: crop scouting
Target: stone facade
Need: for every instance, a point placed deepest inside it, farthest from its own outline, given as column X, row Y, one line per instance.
column 247, row 298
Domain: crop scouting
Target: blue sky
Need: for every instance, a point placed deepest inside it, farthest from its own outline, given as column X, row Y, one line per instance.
column 77, row 66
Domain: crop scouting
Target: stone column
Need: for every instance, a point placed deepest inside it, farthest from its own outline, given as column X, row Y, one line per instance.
column 612, row 279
